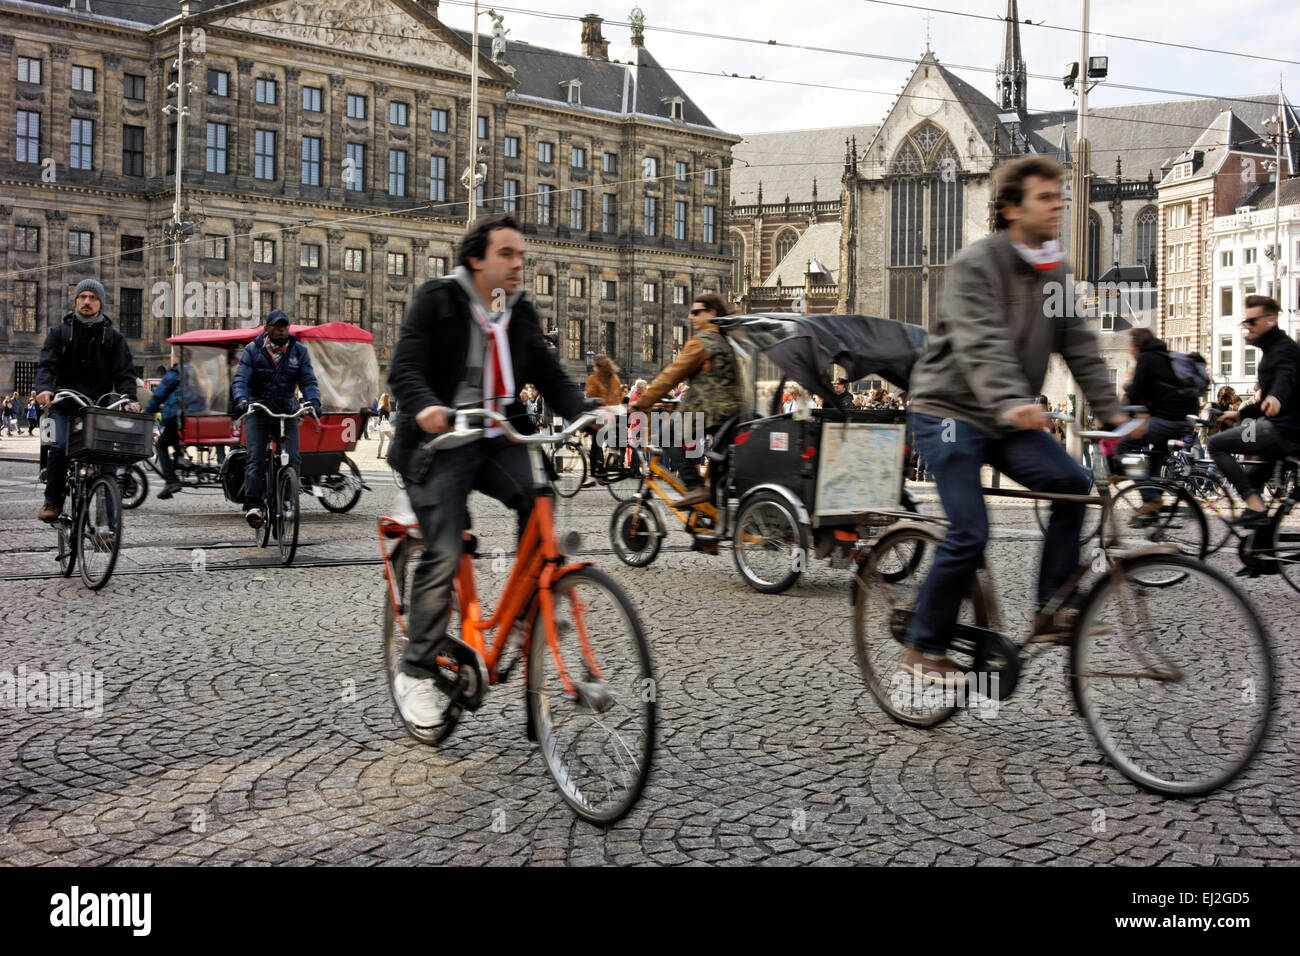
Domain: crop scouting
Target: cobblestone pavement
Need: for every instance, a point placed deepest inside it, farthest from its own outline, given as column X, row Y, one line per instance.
column 245, row 720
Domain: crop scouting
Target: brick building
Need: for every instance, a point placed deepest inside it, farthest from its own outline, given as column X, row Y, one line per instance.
column 322, row 160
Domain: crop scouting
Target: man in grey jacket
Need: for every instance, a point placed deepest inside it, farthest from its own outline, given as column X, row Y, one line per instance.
column 972, row 402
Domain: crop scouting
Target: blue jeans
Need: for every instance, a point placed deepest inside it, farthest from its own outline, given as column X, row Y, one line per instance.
column 257, row 428
column 953, row 452
column 1159, row 431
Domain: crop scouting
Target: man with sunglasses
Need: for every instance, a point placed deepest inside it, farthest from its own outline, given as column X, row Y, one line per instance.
column 706, row 360
column 1275, row 431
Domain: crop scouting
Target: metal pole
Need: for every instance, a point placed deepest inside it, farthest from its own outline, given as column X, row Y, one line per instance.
column 178, row 276
column 1080, row 214
column 1278, row 129
column 473, row 119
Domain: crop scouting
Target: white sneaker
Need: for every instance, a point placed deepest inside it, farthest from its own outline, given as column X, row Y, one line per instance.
column 417, row 700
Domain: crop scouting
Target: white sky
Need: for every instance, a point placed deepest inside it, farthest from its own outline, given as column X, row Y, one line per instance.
column 1258, row 27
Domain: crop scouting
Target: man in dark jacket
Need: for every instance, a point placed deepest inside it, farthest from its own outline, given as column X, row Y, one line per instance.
column 272, row 369
column 1274, row 431
column 84, row 353
column 166, row 399
column 1155, row 385
column 468, row 340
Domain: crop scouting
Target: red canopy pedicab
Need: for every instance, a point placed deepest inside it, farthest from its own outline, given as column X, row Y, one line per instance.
column 343, row 357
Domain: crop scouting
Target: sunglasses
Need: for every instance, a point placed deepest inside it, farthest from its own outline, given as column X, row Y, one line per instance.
column 1250, row 322
column 700, row 311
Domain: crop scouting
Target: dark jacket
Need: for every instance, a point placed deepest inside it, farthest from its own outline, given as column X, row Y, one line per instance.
column 93, row 360
column 167, row 396
column 1156, row 385
column 1279, row 376
column 258, row 379
column 430, row 358
column 996, row 331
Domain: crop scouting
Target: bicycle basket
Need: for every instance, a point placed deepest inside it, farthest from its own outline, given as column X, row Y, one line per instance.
column 110, row 437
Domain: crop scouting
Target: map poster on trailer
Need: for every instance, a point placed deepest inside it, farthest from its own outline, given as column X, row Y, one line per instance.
column 861, row 468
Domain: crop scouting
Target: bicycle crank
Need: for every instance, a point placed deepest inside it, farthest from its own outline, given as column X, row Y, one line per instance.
column 461, row 673
column 994, row 654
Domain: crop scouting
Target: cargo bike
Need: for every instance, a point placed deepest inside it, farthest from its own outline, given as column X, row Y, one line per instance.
column 787, row 486
column 212, row 445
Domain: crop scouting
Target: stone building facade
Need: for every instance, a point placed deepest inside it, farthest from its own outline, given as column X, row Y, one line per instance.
column 322, row 160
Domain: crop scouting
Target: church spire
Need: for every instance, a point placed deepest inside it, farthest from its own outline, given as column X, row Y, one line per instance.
column 1012, row 74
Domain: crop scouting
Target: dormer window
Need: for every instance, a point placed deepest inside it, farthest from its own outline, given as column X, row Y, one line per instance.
column 573, row 92
column 675, row 107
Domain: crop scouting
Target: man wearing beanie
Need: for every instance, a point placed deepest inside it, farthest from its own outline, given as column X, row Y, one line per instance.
column 87, row 354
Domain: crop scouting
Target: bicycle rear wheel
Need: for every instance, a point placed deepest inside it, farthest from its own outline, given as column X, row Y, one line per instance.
column 397, row 606
column 133, row 484
column 883, row 600
column 1178, row 520
column 1286, row 542
column 1174, row 680
column 286, row 517
column 622, row 480
column 568, row 468
column 1216, row 503
column 1091, row 515
column 99, row 531
column 591, row 696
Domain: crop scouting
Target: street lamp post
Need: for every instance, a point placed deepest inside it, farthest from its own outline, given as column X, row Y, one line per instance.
column 176, row 229
column 476, row 170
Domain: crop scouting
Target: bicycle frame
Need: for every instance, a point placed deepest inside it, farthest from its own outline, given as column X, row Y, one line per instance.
column 655, row 478
column 529, row 589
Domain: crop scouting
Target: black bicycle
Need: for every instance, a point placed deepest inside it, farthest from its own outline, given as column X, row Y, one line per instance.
column 100, row 436
column 279, row 486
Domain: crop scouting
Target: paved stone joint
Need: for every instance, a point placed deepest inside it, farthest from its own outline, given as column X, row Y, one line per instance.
column 245, row 719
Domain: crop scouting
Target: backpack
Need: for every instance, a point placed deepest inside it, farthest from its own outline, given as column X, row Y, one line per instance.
column 1193, row 378
column 716, row 392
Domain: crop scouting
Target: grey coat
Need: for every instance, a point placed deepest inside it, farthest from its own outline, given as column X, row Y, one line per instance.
column 998, row 326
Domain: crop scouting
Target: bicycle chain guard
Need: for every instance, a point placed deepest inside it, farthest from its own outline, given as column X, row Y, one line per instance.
column 469, row 681
column 993, row 653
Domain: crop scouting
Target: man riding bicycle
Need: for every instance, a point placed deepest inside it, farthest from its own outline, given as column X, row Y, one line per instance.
column 972, row 403
column 271, row 369
column 1275, row 431
column 86, row 354
column 708, row 365
column 470, row 339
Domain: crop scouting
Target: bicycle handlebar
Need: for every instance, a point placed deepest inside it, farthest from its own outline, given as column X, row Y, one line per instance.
column 462, row 432
column 259, row 407
column 84, row 401
column 1123, row 431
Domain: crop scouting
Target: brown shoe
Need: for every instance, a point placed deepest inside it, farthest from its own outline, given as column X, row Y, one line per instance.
column 49, row 513
column 697, row 497
column 934, row 668
column 1152, row 507
column 1057, row 628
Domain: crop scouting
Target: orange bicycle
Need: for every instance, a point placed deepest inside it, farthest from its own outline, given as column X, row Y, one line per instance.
column 589, row 685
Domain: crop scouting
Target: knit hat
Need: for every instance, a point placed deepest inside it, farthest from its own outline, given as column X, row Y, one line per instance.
column 91, row 285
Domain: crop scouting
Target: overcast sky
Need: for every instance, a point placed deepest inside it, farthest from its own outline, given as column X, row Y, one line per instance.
column 873, row 30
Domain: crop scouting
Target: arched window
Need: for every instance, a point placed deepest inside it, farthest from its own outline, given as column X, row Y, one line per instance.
column 926, row 205
column 737, row 263
column 1146, row 230
column 1094, row 246
column 785, row 240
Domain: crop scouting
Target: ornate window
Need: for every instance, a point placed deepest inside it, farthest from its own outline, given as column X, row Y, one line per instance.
column 1148, row 221
column 925, row 221
column 1094, row 247
column 785, row 240
column 737, row 262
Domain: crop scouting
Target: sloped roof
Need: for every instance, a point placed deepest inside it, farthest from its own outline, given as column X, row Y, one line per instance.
column 787, row 162
column 1148, row 136
column 146, row 12
column 1226, row 134
column 821, row 241
column 982, row 110
column 1290, row 194
column 540, row 71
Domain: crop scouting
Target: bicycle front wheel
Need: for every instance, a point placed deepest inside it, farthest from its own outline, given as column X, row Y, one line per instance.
column 1175, row 680
column 66, row 527
column 591, row 696
column 99, row 531
column 286, row 517
column 1216, row 502
column 1091, row 515
column 568, row 468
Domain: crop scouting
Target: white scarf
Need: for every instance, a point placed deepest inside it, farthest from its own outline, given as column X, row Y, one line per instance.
column 495, row 327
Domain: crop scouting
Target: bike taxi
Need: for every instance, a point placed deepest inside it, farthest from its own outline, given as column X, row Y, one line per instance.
column 787, row 486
